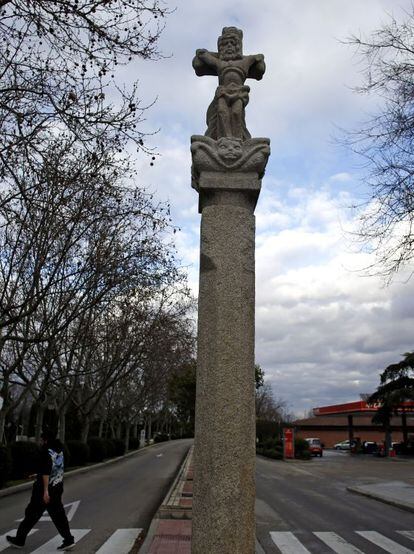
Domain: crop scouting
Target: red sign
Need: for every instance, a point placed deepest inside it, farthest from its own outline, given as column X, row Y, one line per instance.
column 288, row 443
column 359, row 406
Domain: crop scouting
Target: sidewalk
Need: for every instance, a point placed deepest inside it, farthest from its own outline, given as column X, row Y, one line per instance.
column 170, row 531
column 396, row 493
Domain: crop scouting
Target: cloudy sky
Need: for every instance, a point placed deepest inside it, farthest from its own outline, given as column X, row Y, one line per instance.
column 324, row 329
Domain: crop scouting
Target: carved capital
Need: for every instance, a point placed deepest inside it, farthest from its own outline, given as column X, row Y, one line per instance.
column 228, row 165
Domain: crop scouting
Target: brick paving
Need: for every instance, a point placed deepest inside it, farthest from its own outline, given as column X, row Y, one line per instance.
column 172, row 534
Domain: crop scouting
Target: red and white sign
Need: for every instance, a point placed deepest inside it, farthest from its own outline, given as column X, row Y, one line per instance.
column 288, row 443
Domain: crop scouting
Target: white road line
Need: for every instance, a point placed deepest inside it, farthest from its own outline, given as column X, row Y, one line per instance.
column 52, row 545
column 73, row 506
column 4, row 544
column 408, row 534
column 120, row 542
column 385, row 543
column 337, row 543
column 287, row 543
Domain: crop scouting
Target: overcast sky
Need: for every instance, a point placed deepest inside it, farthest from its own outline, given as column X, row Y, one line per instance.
column 324, row 329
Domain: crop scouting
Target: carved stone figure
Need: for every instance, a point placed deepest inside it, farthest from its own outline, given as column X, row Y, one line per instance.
column 226, row 113
column 228, row 154
column 228, row 166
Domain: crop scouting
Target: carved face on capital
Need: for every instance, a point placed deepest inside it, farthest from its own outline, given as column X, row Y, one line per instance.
column 229, row 149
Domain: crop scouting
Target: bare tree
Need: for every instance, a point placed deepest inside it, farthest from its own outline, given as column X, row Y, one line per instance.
column 71, row 240
column 268, row 407
column 57, row 69
column 386, row 143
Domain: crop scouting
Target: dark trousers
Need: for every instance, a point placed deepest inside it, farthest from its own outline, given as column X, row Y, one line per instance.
column 36, row 507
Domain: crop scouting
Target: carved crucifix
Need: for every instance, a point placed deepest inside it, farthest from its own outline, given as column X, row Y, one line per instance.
column 226, row 113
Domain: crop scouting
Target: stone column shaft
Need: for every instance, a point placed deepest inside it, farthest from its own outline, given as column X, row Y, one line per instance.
column 227, row 175
column 224, row 489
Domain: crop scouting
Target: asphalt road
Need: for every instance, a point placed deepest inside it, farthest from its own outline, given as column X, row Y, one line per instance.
column 305, row 506
column 122, row 495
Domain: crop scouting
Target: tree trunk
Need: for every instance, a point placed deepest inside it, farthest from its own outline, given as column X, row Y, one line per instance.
column 404, row 427
column 62, row 426
column 149, row 430
column 127, row 433
column 40, row 412
column 101, row 427
column 111, row 425
column 388, row 439
column 119, row 430
column 2, row 426
column 135, row 430
column 85, row 430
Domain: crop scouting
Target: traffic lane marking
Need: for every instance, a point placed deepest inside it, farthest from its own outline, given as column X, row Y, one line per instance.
column 120, row 542
column 408, row 534
column 3, row 542
column 287, row 543
column 384, row 542
column 52, row 545
column 337, row 543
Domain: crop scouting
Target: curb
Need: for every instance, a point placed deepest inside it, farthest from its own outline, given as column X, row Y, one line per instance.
column 409, row 507
column 258, row 548
column 70, row 473
column 146, row 545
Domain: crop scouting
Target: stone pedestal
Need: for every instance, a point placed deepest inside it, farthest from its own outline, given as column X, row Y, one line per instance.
column 228, row 183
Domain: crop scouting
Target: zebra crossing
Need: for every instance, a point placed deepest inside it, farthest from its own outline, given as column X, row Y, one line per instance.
column 288, row 543
column 120, row 542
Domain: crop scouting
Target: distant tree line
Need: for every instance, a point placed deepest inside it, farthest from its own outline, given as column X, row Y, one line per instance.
column 95, row 314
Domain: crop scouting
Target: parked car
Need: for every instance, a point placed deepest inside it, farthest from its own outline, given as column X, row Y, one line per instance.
column 315, row 447
column 343, row 445
column 369, row 447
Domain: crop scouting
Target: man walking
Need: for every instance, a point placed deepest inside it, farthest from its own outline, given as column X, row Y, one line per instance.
column 46, row 495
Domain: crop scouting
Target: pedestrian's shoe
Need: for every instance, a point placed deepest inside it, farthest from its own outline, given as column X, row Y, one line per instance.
column 67, row 544
column 14, row 542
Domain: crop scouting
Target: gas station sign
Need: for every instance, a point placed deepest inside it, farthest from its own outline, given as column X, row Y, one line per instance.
column 288, row 443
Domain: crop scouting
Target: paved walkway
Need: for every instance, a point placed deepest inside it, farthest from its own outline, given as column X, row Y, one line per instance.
column 396, row 493
column 170, row 531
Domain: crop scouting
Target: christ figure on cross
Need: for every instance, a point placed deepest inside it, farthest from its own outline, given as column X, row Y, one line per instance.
column 226, row 113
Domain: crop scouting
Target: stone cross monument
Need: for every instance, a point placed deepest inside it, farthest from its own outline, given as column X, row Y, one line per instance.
column 227, row 169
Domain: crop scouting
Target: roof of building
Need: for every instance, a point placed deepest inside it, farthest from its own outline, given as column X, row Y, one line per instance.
column 342, row 421
column 358, row 407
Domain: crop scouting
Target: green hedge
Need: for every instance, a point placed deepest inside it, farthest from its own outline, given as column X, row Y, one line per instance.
column 118, row 447
column 5, row 465
column 97, row 449
column 78, row 453
column 133, row 443
column 25, row 457
column 275, row 453
column 161, row 437
column 302, row 449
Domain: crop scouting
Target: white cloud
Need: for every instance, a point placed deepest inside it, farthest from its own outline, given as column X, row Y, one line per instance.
column 324, row 331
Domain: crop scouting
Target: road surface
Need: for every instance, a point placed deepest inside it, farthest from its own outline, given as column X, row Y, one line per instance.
column 304, row 507
column 108, row 507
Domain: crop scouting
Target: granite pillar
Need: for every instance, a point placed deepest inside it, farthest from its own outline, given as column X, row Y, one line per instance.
column 224, row 454
column 227, row 169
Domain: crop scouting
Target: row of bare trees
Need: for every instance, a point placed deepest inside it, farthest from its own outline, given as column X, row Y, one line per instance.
column 94, row 309
column 91, row 295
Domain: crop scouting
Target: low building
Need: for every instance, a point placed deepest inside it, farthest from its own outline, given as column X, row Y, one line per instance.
column 353, row 420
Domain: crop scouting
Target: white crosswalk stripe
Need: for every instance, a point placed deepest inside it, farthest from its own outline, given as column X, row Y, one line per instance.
column 51, row 545
column 408, row 534
column 337, row 543
column 384, row 542
column 287, row 543
column 4, row 544
column 120, row 542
